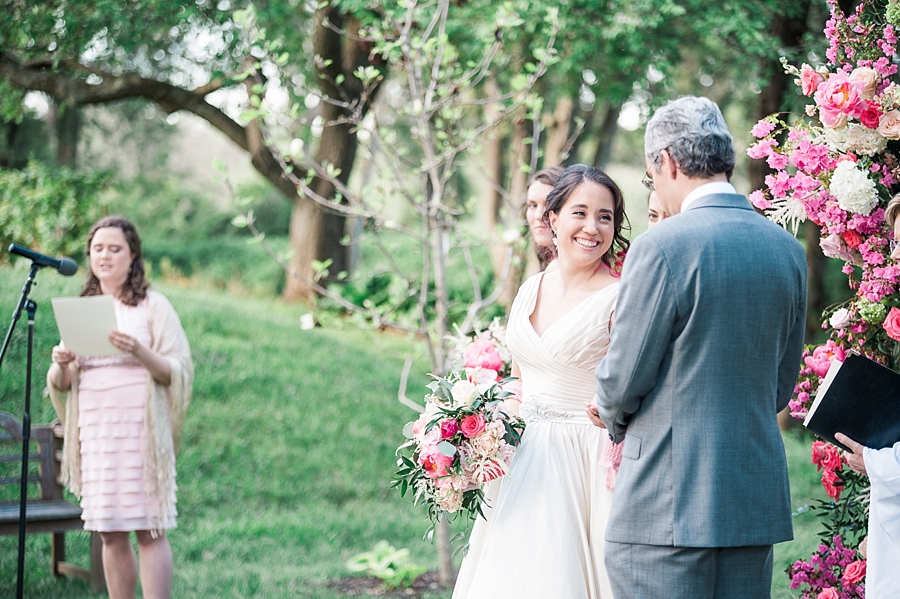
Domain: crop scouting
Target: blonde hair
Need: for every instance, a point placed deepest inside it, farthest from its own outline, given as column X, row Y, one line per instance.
column 893, row 210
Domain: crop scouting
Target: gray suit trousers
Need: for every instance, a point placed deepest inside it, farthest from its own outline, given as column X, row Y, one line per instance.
column 662, row 572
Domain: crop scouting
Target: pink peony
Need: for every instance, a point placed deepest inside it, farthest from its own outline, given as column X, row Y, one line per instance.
column 483, row 353
column 821, row 358
column 839, row 97
column 434, row 462
column 809, row 80
column 472, row 426
column 892, row 324
column 449, row 428
column 855, row 572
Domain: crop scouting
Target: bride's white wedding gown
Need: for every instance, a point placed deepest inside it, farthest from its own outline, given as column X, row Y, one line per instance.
column 544, row 535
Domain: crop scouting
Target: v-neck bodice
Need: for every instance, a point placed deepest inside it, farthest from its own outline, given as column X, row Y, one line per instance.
column 558, row 367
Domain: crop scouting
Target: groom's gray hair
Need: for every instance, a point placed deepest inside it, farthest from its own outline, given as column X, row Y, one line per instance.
column 694, row 132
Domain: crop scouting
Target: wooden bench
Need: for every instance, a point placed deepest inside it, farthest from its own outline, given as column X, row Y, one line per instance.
column 51, row 513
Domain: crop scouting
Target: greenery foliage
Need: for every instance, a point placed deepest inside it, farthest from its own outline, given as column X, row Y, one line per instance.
column 49, row 209
column 386, row 562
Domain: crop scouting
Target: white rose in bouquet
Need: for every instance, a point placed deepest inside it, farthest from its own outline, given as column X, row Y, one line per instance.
column 464, row 393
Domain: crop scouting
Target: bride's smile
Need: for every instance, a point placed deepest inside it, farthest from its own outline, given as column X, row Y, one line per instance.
column 584, row 226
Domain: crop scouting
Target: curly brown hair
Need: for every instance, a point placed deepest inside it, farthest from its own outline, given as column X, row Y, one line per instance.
column 135, row 287
column 573, row 177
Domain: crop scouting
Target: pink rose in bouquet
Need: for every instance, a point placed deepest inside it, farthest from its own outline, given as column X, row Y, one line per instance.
column 833, row 459
column 892, row 324
column 483, row 354
column 472, row 425
column 449, row 428
column 839, row 97
column 818, row 453
column 852, row 238
column 809, row 80
column 855, row 572
column 822, row 356
column 871, row 115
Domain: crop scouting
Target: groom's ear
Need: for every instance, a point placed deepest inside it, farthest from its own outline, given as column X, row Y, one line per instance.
column 668, row 167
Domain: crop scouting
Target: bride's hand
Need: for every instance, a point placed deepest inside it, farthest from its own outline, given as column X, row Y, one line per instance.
column 594, row 415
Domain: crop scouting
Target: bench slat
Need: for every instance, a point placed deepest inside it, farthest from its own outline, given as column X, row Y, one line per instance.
column 40, row 511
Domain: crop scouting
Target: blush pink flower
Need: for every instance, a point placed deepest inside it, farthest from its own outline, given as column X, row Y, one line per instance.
column 483, row 353
column 855, row 572
column 839, row 97
column 472, row 426
column 892, row 324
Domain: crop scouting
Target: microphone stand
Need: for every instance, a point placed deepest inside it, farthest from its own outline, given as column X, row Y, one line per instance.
column 31, row 307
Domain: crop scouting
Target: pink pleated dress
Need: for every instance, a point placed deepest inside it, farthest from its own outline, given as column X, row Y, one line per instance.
column 111, row 409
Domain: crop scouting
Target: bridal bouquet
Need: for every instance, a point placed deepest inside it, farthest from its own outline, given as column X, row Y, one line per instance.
column 464, row 440
column 483, row 354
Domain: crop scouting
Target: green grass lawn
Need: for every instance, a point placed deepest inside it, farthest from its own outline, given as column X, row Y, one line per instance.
column 288, row 451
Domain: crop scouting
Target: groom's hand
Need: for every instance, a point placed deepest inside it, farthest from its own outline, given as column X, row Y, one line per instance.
column 594, row 415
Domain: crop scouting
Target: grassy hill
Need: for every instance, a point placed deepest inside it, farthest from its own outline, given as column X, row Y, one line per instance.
column 288, row 450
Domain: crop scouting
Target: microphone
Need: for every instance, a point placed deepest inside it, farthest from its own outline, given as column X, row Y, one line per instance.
column 64, row 266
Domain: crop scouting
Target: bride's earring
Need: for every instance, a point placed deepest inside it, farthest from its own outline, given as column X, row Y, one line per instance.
column 555, row 242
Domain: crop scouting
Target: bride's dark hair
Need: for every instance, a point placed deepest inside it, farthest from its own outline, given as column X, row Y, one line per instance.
column 135, row 287
column 573, row 177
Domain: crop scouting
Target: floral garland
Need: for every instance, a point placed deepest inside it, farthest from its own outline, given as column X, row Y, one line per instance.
column 838, row 166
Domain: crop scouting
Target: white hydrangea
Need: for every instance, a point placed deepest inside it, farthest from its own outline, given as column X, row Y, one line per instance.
column 862, row 140
column 854, row 191
column 835, row 139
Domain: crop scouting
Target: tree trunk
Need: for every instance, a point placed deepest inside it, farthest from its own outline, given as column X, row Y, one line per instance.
column 815, row 281
column 557, row 127
column 316, row 233
column 606, row 134
column 520, row 155
column 68, row 125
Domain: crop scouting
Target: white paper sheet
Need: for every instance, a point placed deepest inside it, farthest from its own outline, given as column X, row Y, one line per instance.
column 85, row 324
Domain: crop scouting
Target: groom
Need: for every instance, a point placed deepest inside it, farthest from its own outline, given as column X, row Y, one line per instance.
column 705, row 351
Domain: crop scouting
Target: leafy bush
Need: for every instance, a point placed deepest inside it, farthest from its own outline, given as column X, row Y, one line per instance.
column 50, row 209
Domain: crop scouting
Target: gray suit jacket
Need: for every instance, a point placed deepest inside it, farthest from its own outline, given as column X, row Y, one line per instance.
column 705, row 351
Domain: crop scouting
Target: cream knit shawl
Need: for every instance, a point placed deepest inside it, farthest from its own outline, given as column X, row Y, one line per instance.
column 165, row 410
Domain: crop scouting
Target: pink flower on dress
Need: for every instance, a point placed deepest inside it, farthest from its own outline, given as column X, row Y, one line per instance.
column 483, row 353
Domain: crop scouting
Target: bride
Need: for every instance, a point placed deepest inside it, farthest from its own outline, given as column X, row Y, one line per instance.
column 544, row 537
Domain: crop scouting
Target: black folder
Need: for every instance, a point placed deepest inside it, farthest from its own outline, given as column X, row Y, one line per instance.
column 859, row 398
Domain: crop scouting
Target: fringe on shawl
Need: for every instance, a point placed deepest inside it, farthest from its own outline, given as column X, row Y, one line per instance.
column 166, row 408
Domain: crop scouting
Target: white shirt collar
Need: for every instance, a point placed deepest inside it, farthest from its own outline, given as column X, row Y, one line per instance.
column 707, row 189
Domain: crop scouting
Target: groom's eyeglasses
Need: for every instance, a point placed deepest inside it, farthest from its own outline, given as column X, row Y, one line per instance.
column 648, row 181
column 893, row 245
